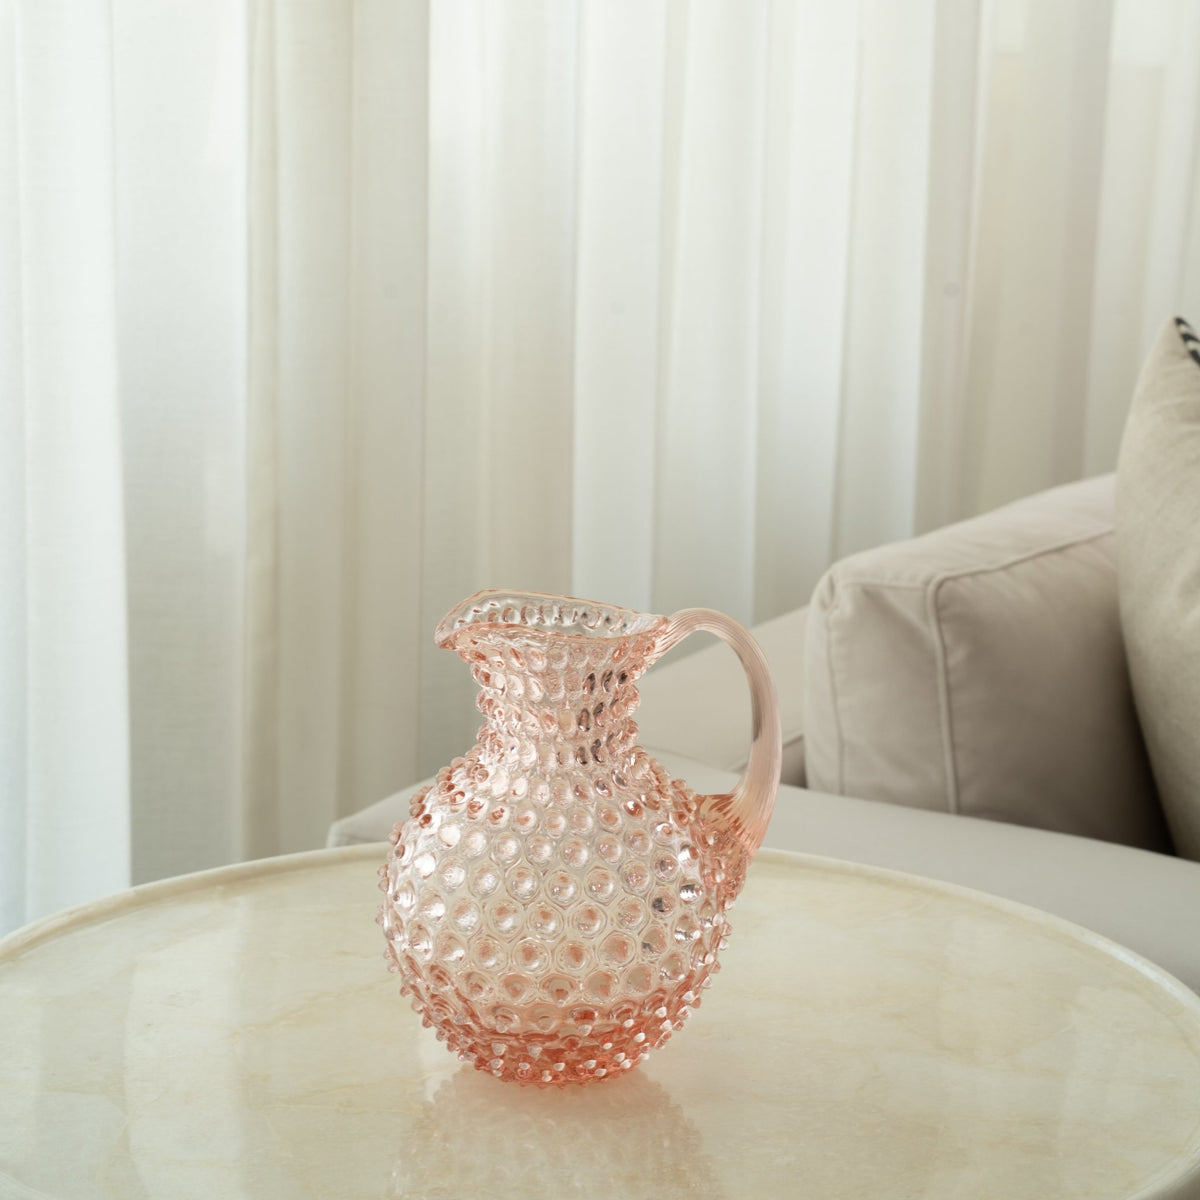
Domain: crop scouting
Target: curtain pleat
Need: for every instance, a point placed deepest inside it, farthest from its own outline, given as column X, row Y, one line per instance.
column 707, row 434
column 1027, row 370
column 618, row 252
column 179, row 189
column 959, row 82
column 64, row 684
column 379, row 722
column 879, row 404
column 257, row 820
column 1148, row 193
column 812, row 83
column 15, row 797
column 336, row 464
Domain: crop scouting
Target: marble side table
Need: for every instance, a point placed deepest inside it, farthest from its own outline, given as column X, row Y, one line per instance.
column 234, row 1034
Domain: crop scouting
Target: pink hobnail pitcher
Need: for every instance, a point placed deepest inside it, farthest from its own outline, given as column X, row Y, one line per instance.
column 555, row 902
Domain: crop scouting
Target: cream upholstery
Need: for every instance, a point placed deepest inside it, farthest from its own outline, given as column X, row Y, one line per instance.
column 1158, row 497
column 980, row 670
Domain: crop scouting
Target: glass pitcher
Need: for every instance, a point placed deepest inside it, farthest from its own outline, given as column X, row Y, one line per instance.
column 555, row 903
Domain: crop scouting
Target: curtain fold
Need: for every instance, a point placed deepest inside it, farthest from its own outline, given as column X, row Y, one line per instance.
column 180, row 253
column 617, row 298
column 812, row 82
column 64, row 684
column 369, row 304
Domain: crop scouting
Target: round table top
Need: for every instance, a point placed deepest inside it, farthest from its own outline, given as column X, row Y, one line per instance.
column 235, row 1034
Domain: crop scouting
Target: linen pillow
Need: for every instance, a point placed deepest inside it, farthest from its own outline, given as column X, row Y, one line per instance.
column 1158, row 570
column 979, row 669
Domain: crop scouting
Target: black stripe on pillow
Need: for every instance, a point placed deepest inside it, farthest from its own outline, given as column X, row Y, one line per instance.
column 1190, row 341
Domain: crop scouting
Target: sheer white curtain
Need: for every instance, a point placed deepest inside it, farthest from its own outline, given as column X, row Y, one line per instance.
column 318, row 316
column 64, row 711
column 122, row 402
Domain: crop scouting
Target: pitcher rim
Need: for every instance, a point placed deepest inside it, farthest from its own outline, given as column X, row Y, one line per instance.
column 545, row 613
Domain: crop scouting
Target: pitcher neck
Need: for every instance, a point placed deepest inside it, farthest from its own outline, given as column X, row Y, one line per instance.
column 557, row 720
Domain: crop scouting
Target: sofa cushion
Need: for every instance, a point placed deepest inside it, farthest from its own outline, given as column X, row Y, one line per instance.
column 980, row 670
column 1132, row 896
column 1158, row 545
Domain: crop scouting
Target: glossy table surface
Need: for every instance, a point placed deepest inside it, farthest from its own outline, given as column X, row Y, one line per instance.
column 235, row 1034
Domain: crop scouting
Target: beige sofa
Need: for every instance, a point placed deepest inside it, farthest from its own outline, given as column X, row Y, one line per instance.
column 960, row 706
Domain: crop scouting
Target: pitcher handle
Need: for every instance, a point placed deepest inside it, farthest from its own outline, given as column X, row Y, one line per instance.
column 750, row 804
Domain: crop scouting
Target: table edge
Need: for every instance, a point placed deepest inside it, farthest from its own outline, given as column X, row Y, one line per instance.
column 27, row 936
column 1026, row 912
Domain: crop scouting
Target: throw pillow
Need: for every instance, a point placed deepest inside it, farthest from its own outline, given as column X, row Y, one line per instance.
column 979, row 669
column 1158, row 570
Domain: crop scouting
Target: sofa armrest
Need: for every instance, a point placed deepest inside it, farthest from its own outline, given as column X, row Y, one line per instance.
column 980, row 669
column 698, row 706
column 375, row 822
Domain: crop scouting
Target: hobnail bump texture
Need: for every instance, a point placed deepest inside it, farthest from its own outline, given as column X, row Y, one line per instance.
column 555, row 903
